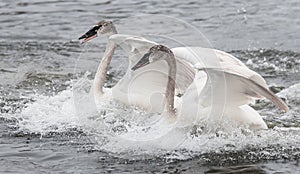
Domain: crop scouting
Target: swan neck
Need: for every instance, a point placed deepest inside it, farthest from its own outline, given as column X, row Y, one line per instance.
column 102, row 70
column 170, row 91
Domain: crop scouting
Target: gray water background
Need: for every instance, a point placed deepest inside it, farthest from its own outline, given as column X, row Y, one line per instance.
column 39, row 53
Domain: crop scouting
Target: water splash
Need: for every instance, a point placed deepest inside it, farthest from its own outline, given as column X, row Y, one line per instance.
column 129, row 133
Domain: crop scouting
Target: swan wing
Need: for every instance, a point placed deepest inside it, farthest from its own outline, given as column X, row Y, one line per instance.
column 134, row 46
column 206, row 105
column 241, row 85
column 206, row 57
column 227, row 77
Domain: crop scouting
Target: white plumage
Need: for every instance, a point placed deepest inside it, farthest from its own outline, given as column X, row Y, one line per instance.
column 215, row 85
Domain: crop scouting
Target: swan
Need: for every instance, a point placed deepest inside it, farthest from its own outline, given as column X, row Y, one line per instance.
column 140, row 88
column 198, row 103
column 144, row 87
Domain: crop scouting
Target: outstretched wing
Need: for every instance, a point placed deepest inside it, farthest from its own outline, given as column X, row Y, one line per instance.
column 228, row 79
column 241, row 89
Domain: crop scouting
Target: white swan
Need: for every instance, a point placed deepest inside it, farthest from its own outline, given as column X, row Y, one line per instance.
column 140, row 88
column 144, row 87
column 205, row 101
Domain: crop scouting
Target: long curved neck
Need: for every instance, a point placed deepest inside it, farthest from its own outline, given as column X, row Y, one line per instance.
column 170, row 91
column 100, row 76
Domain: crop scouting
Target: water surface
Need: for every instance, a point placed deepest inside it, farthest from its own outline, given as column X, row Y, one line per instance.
column 41, row 62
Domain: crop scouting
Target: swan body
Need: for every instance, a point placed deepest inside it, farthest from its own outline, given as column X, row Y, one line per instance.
column 221, row 90
column 145, row 87
column 203, row 104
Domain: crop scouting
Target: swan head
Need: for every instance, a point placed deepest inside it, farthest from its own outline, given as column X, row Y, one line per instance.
column 155, row 53
column 103, row 27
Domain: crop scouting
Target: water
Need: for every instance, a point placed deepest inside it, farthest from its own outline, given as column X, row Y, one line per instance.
column 45, row 71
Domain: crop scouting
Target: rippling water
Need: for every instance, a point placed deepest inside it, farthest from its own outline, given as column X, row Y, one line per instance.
column 42, row 64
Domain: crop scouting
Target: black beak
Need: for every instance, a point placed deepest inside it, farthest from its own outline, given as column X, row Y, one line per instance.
column 91, row 34
column 143, row 62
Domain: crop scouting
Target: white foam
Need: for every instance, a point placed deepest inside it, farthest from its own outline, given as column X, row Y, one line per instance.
column 48, row 114
column 118, row 128
column 57, row 113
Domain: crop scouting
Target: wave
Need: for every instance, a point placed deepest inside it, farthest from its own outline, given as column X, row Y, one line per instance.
column 129, row 132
